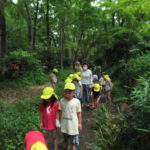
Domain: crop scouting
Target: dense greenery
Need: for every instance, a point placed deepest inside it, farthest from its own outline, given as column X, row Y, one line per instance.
column 112, row 34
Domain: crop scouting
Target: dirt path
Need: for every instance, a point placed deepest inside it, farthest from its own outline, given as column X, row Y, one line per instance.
column 11, row 95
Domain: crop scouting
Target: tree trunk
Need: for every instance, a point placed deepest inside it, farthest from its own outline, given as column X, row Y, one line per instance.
column 35, row 25
column 29, row 22
column 62, row 42
column 48, row 26
column 2, row 34
column 113, row 19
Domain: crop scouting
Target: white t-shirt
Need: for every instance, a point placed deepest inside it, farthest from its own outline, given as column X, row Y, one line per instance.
column 69, row 121
column 86, row 77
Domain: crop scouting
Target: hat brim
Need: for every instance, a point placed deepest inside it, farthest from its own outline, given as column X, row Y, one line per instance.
column 46, row 96
column 69, row 89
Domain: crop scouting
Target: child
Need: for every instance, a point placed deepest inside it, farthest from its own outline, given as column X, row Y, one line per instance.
column 108, row 88
column 53, row 78
column 78, row 86
column 34, row 140
column 96, row 95
column 102, row 82
column 71, row 118
column 49, row 108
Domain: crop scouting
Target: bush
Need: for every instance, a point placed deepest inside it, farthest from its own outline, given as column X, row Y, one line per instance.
column 136, row 135
column 24, row 69
column 20, row 62
column 138, row 67
column 15, row 121
column 107, row 127
column 48, row 58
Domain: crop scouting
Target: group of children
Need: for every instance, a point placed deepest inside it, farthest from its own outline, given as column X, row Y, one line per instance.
column 98, row 86
column 66, row 113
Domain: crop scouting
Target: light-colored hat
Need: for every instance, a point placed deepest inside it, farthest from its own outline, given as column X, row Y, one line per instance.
column 69, row 86
column 47, row 93
column 76, row 76
column 68, row 80
column 55, row 70
column 97, row 87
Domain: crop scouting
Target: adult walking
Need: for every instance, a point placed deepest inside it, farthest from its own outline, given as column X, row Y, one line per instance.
column 86, row 80
column 78, row 67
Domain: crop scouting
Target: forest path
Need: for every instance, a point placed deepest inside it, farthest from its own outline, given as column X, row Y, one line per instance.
column 11, row 95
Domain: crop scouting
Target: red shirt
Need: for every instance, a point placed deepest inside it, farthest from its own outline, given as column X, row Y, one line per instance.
column 48, row 114
column 32, row 137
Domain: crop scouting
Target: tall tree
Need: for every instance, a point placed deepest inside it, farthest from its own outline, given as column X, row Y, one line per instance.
column 2, row 29
column 35, row 24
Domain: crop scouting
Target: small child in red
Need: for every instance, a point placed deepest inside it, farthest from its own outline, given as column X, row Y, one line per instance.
column 49, row 114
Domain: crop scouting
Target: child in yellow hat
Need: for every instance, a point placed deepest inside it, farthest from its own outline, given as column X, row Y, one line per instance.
column 53, row 77
column 78, row 85
column 70, row 116
column 96, row 92
column 49, row 114
column 108, row 88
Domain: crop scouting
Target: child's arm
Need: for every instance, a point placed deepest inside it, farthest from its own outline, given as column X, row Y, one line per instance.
column 58, row 119
column 79, row 120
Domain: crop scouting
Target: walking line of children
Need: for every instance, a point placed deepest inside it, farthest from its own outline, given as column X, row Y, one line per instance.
column 66, row 114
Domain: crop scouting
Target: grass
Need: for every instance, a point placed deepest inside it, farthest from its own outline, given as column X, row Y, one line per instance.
column 21, row 116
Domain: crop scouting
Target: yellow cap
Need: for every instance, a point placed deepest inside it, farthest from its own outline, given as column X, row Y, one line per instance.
column 107, row 77
column 71, row 76
column 76, row 76
column 39, row 146
column 69, row 86
column 68, row 80
column 97, row 87
column 55, row 70
column 79, row 73
column 47, row 93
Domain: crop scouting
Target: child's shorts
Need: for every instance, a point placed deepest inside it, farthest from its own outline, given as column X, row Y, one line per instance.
column 96, row 94
column 74, row 139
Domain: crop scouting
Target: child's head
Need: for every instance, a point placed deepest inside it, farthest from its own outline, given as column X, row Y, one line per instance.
column 55, row 70
column 107, row 78
column 76, row 77
column 71, row 76
column 68, row 80
column 97, row 87
column 48, row 95
column 79, row 74
column 69, row 91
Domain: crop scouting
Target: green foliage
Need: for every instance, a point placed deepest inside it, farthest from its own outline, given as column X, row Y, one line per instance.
column 62, row 75
column 141, row 104
column 136, row 135
column 24, row 69
column 15, row 121
column 48, row 58
column 138, row 66
column 25, row 61
column 107, row 127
